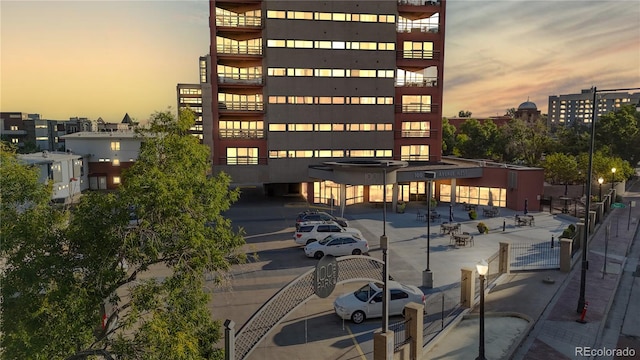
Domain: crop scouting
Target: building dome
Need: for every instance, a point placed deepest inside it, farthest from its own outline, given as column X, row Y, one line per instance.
column 527, row 105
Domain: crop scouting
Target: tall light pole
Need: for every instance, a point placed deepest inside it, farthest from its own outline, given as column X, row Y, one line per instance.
column 585, row 263
column 384, row 244
column 613, row 174
column 427, row 275
column 482, row 268
column 600, row 181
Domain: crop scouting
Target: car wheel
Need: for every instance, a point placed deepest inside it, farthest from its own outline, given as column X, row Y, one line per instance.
column 310, row 241
column 358, row 317
column 318, row 255
column 356, row 252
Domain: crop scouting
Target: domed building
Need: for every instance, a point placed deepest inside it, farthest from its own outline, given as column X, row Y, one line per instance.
column 527, row 111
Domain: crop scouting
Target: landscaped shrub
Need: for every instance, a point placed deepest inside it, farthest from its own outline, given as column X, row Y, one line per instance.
column 473, row 214
column 483, row 228
column 569, row 232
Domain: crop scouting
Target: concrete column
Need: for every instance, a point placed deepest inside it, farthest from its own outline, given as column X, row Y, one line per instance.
column 467, row 287
column 592, row 221
column 453, row 192
column 394, row 197
column 606, row 200
column 343, row 198
column 600, row 212
column 415, row 328
column 613, row 193
column 565, row 254
column 504, row 262
column 580, row 232
column 383, row 346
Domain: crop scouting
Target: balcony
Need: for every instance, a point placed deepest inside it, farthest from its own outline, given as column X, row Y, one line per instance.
column 240, row 79
column 240, row 106
column 418, row 2
column 238, row 21
column 418, row 9
column 416, row 108
column 413, row 133
column 425, row 82
column 241, row 134
column 417, row 54
column 239, row 49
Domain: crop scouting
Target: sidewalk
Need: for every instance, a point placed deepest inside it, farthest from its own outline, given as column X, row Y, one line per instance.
column 557, row 334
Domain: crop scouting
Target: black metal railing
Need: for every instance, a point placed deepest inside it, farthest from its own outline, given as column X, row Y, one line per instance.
column 535, row 256
column 241, row 134
column 415, row 108
column 239, row 49
column 235, row 78
column 418, row 54
column 400, row 336
column 418, row 2
column 241, row 106
column 426, row 82
column 238, row 21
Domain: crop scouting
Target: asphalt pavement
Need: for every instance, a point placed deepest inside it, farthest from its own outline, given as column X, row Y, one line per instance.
column 547, row 299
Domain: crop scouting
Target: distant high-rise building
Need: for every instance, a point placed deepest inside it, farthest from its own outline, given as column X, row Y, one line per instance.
column 577, row 108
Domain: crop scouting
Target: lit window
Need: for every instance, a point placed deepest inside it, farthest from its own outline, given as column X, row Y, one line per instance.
column 116, row 162
column 337, row 127
column 242, row 156
column 116, row 180
column 14, row 127
column 115, row 145
column 274, row 14
column 277, row 127
column 14, row 140
column 276, row 43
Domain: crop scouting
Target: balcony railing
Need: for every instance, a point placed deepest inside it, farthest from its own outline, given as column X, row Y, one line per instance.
column 239, row 49
column 241, row 106
column 415, row 108
column 418, row 54
column 238, row 21
column 241, row 79
column 417, row 28
column 414, row 133
column 241, row 134
column 418, row 2
column 243, row 160
column 425, row 82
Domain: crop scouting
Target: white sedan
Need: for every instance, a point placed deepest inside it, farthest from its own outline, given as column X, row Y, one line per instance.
column 366, row 302
column 338, row 244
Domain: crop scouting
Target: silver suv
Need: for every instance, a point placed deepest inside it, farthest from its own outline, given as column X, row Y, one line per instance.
column 311, row 231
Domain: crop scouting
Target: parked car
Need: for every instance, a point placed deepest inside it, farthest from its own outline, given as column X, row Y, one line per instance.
column 339, row 244
column 310, row 215
column 366, row 302
column 311, row 231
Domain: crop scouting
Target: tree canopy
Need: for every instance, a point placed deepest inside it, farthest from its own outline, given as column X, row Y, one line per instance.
column 71, row 271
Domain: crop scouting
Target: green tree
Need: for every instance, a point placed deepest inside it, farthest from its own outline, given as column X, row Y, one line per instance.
column 620, row 131
column 448, row 137
column 511, row 112
column 603, row 162
column 560, row 168
column 478, row 141
column 574, row 139
column 65, row 273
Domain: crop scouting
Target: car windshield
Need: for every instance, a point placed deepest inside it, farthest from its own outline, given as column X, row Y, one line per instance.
column 325, row 240
column 364, row 293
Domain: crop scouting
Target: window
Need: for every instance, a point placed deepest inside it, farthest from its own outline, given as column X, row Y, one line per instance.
column 242, row 156
column 417, row 50
column 116, row 162
column 416, row 129
column 414, row 153
column 115, row 145
column 14, row 140
column 274, row 14
column 416, row 103
column 398, row 295
column 116, row 180
column 14, row 127
column 277, row 127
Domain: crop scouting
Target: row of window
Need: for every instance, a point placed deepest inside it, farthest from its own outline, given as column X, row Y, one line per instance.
column 315, row 15
column 335, row 100
column 187, row 91
column 249, row 156
column 328, row 44
column 330, row 127
column 355, row 73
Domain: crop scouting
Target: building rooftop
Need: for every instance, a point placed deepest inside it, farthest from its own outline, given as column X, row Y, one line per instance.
column 101, row 135
column 44, row 157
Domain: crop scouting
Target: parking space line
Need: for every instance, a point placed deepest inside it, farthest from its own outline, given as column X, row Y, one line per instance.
column 357, row 345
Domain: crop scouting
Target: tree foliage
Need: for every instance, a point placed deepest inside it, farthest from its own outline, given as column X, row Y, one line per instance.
column 620, row 131
column 64, row 270
column 560, row 168
column 478, row 141
column 448, row 138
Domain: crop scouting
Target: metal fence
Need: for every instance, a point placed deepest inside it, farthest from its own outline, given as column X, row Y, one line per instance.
column 442, row 308
column 400, row 333
column 535, row 256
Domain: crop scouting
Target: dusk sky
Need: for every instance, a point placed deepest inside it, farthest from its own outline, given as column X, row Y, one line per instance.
column 107, row 58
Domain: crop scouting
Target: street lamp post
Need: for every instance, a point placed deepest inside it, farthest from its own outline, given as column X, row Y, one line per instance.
column 585, row 263
column 613, row 174
column 482, row 268
column 384, row 244
column 427, row 275
column 600, row 181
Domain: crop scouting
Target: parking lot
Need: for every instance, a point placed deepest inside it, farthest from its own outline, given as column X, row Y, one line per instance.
column 313, row 331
